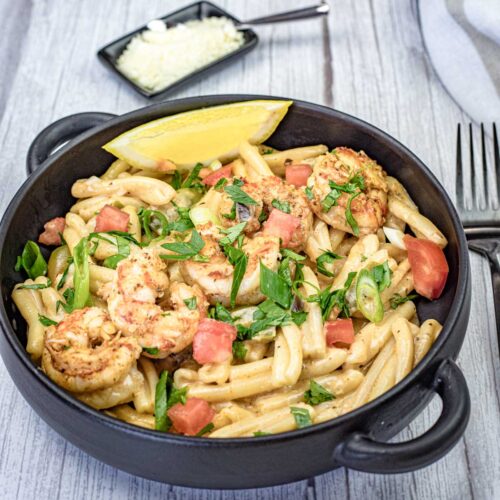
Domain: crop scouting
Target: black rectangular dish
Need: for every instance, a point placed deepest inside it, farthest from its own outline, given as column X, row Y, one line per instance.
column 109, row 54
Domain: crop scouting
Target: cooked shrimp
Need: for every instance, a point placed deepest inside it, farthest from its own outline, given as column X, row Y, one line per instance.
column 85, row 352
column 215, row 277
column 132, row 298
column 271, row 189
column 340, row 166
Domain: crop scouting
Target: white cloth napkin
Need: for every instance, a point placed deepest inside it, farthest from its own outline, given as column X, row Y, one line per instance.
column 462, row 38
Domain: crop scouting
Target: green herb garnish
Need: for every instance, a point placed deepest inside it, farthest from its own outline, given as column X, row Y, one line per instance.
column 382, row 275
column 301, row 416
column 327, row 299
column 162, row 422
column 239, row 349
column 232, row 234
column 284, row 206
column 151, row 350
column 397, row 299
column 275, row 287
column 238, row 195
column 327, row 257
column 261, row 433
column 208, row 428
column 186, row 250
column 193, row 180
column 32, row 261
column 317, row 394
column 46, row 321
column 191, row 303
column 36, row 286
column 81, row 276
column 349, row 217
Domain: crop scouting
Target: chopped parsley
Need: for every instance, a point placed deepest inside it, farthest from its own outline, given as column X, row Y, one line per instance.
column 301, row 416
column 166, row 396
column 64, row 276
column 327, row 257
column 327, row 299
column 238, row 195
column 232, row 234
column 284, row 206
column 220, row 183
column 397, row 299
column 317, row 394
column 208, row 428
column 191, row 303
column 151, row 350
column 275, row 286
column 193, row 180
column 354, row 187
column 349, row 217
column 239, row 349
column 261, row 433
column 382, row 275
column 186, row 250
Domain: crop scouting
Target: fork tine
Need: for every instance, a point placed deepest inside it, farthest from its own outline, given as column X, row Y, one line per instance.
column 459, row 182
column 472, row 172
column 496, row 156
column 487, row 191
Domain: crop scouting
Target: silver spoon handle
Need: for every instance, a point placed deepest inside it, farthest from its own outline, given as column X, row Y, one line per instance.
column 321, row 9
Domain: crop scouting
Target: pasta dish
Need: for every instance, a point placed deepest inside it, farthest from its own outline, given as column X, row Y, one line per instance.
column 254, row 297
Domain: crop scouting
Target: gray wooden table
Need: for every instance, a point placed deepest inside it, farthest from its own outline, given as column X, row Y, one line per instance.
column 367, row 59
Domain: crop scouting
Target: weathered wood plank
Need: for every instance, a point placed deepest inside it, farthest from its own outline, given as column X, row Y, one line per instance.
column 370, row 62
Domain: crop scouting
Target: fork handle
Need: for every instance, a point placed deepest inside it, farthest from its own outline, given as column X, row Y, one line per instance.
column 495, row 279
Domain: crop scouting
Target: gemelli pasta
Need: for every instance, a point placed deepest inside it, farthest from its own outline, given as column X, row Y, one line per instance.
column 264, row 295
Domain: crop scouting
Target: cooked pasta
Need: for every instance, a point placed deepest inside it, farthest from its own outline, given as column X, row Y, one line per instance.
column 229, row 302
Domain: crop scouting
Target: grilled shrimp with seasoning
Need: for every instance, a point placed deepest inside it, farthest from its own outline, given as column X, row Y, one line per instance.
column 215, row 277
column 85, row 352
column 269, row 193
column 341, row 166
column 140, row 282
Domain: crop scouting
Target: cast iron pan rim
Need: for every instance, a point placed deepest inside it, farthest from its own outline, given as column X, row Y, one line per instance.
column 171, row 439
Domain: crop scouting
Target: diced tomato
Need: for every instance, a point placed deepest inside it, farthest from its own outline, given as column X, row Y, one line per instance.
column 111, row 219
column 190, row 418
column 282, row 225
column 298, row 174
column 428, row 266
column 213, row 178
column 213, row 341
column 339, row 331
column 53, row 231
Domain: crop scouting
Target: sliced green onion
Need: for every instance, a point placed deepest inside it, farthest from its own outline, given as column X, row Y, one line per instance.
column 368, row 297
column 32, row 261
column 203, row 215
column 81, row 277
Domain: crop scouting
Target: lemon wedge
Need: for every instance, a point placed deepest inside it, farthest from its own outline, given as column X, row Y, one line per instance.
column 200, row 136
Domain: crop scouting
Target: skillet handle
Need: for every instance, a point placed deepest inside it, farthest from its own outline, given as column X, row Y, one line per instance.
column 57, row 134
column 362, row 453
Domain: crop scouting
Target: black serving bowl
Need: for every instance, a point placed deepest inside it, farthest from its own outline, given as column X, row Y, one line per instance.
column 357, row 439
column 109, row 54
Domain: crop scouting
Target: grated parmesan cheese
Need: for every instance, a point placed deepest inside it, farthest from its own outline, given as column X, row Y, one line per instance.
column 158, row 56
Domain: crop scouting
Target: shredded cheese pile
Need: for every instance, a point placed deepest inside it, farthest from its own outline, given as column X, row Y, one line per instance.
column 158, row 57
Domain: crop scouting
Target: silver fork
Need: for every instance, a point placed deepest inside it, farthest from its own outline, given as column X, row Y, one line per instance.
column 480, row 214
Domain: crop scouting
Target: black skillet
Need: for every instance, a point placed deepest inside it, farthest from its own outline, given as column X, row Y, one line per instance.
column 358, row 439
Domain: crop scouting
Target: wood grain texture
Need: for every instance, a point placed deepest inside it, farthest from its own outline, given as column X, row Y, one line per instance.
column 367, row 59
